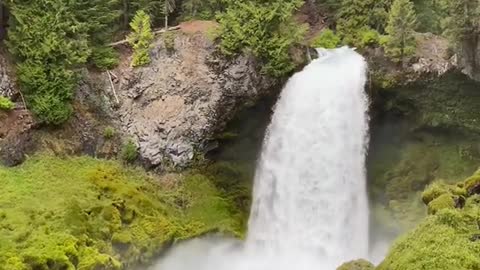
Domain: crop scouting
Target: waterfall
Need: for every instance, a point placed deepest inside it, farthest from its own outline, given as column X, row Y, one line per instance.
column 310, row 209
column 310, row 190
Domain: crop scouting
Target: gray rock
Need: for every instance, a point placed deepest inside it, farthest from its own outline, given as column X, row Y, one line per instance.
column 7, row 85
column 174, row 106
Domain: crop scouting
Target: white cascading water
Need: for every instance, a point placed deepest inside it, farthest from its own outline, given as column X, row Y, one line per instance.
column 310, row 209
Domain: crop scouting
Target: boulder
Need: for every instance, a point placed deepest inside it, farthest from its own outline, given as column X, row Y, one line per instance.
column 174, row 106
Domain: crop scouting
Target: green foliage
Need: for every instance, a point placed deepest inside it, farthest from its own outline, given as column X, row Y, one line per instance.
column 462, row 22
column 202, row 9
column 83, row 213
column 264, row 28
column 129, row 151
column 169, row 40
column 425, row 248
column 154, row 8
column 357, row 265
column 104, row 58
column 327, row 39
column 400, row 28
column 368, row 37
column 444, row 201
column 109, row 133
column 99, row 18
column 52, row 38
column 48, row 41
column 355, row 15
column 431, row 15
column 141, row 38
column 6, row 104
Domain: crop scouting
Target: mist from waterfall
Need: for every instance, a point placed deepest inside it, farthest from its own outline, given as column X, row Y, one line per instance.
column 310, row 209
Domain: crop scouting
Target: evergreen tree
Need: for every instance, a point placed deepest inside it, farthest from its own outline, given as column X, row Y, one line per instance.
column 355, row 17
column 400, row 28
column 264, row 28
column 203, row 9
column 463, row 22
column 141, row 38
column 430, row 15
column 100, row 18
column 48, row 42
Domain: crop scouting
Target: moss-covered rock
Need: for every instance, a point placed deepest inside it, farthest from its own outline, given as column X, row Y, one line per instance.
column 445, row 201
column 357, row 265
column 447, row 239
column 83, row 213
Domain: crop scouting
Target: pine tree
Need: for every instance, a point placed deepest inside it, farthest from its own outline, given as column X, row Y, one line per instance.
column 48, row 42
column 400, row 28
column 355, row 17
column 100, row 18
column 141, row 38
column 463, row 21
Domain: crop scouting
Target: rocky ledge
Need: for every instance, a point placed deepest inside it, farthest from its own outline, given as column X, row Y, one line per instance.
column 173, row 107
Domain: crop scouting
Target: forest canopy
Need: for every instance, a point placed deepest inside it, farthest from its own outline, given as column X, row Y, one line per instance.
column 51, row 39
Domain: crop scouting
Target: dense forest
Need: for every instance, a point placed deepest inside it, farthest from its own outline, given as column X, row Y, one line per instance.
column 51, row 39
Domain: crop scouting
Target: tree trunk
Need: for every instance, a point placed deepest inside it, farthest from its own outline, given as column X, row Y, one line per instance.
column 125, row 14
column 166, row 15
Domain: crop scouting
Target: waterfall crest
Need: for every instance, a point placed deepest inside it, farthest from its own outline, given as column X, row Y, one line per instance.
column 310, row 209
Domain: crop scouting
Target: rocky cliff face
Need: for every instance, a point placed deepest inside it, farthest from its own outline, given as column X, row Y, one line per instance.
column 470, row 57
column 174, row 107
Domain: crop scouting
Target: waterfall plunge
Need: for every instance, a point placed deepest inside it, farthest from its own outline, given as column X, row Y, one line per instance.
column 310, row 208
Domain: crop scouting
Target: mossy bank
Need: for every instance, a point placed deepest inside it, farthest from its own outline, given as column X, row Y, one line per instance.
column 84, row 213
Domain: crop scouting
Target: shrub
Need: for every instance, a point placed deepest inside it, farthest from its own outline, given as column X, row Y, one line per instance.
column 327, row 39
column 6, row 104
column 169, row 40
column 368, row 37
column 48, row 89
column 266, row 29
column 129, row 151
column 109, row 133
column 141, row 38
column 105, row 58
column 86, row 213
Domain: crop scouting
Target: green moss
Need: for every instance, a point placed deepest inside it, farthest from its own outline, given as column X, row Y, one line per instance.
column 472, row 183
column 444, row 201
column 447, row 239
column 402, row 165
column 83, row 213
column 357, row 265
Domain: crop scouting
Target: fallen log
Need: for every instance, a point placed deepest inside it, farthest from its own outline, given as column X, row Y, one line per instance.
column 161, row 31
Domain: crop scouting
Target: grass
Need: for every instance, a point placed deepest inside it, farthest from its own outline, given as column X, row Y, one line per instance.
column 84, row 213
